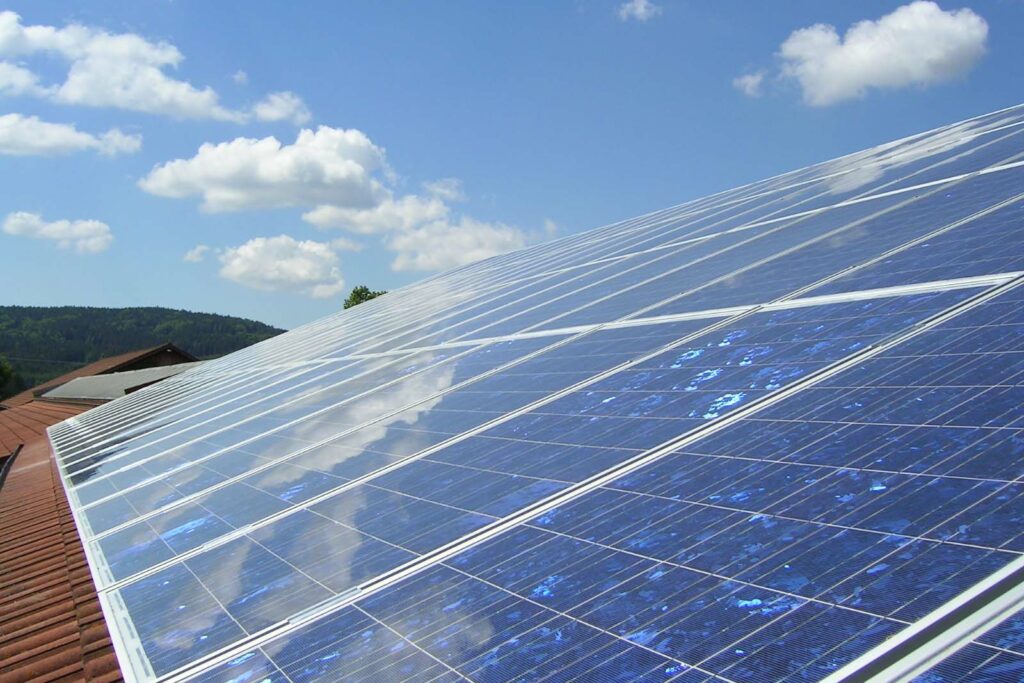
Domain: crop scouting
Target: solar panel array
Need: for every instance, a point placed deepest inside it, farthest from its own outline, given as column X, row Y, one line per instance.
column 771, row 434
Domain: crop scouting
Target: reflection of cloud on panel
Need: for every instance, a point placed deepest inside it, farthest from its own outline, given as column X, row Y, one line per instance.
column 329, row 548
column 847, row 236
column 412, row 389
column 859, row 170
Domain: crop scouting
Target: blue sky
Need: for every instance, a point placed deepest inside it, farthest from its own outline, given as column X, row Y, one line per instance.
column 436, row 131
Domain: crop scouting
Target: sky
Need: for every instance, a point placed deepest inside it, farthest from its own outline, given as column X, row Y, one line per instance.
column 261, row 158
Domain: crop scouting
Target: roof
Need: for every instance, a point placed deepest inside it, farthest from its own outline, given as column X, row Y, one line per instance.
column 51, row 625
column 27, row 422
column 100, row 367
column 114, row 385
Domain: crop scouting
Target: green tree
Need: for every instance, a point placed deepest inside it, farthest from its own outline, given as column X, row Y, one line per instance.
column 360, row 294
column 10, row 381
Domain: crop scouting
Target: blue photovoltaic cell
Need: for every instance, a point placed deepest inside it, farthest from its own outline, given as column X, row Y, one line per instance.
column 376, row 526
column 722, row 557
column 292, row 476
column 236, row 496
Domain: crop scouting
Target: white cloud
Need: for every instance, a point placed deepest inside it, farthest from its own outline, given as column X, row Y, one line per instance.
column 639, row 10
column 440, row 245
column 28, row 135
column 328, row 166
column 122, row 70
column 390, row 215
column 196, row 253
column 550, row 229
column 282, row 106
column 85, row 237
column 283, row 263
column 17, row 80
column 917, row 44
column 447, row 189
column 750, row 84
column 345, row 244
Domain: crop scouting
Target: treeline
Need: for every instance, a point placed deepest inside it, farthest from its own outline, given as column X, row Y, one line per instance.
column 40, row 343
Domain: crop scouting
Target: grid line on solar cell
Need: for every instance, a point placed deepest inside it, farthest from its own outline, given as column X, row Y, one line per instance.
column 345, row 380
column 1009, row 165
column 440, row 446
column 262, row 387
column 368, row 392
column 509, row 367
column 317, row 499
column 490, row 532
column 771, row 258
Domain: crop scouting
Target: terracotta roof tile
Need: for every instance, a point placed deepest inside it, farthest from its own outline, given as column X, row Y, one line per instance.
column 27, row 422
column 51, row 626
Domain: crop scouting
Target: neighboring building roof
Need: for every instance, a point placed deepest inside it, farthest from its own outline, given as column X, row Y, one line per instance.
column 164, row 354
column 114, row 385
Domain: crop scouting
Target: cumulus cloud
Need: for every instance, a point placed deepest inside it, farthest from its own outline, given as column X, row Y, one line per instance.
column 327, row 166
column 550, row 229
column 110, row 70
column 750, row 84
column 196, row 253
column 423, row 233
column 284, row 263
column 28, row 135
column 343, row 180
column 345, row 244
column 124, row 71
column 638, row 10
column 17, row 80
column 282, row 106
column 447, row 189
column 917, row 44
column 440, row 245
column 240, row 77
column 390, row 215
column 84, row 236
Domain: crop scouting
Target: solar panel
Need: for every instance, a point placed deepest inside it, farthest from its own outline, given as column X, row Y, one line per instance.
column 771, row 434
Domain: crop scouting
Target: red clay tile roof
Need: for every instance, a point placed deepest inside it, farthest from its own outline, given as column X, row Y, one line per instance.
column 100, row 367
column 51, row 626
column 25, row 423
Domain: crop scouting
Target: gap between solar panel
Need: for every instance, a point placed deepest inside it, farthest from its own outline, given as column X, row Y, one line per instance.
column 486, row 533
column 817, row 239
column 738, row 314
column 913, row 651
column 108, row 586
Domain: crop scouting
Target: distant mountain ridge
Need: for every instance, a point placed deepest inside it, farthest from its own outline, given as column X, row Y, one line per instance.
column 42, row 342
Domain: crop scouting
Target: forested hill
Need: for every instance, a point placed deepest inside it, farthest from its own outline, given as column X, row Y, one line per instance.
column 43, row 342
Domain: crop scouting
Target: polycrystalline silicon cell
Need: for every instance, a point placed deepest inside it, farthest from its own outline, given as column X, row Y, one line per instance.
column 291, row 475
column 720, row 558
column 806, row 251
column 240, row 494
column 320, row 550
